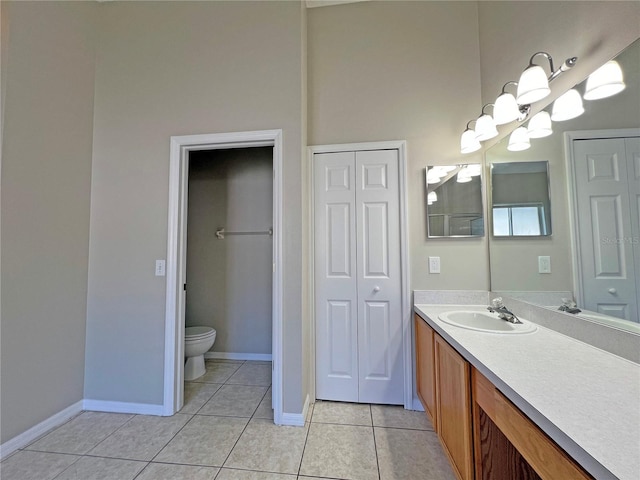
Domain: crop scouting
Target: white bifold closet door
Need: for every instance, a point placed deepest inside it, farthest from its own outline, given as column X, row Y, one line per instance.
column 358, row 277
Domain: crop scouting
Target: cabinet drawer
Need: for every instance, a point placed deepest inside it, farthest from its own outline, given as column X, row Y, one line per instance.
column 547, row 460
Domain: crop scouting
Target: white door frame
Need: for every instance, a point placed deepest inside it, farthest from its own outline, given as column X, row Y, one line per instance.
column 569, row 138
column 407, row 324
column 176, row 257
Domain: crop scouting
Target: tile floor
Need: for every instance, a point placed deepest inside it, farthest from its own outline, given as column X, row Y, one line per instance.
column 225, row 432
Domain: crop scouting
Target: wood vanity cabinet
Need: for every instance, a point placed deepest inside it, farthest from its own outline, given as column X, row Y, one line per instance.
column 484, row 435
column 442, row 379
column 425, row 368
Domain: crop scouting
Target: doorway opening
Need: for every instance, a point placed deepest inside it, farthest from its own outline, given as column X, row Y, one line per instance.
column 199, row 147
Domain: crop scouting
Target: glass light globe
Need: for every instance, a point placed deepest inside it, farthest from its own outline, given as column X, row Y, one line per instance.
column 540, row 125
column 485, row 128
column 468, row 142
column 474, row 169
column 604, row 82
column 567, row 106
column 519, row 140
column 532, row 86
column 433, row 176
column 506, row 109
column 463, row 177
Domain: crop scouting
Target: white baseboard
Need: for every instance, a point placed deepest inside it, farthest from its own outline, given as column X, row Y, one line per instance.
column 25, row 438
column 123, row 407
column 263, row 357
column 296, row 419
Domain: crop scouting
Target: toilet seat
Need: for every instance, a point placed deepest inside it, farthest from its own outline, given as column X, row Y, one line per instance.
column 198, row 333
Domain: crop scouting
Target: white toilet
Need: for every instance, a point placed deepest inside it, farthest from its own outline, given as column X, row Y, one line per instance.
column 197, row 341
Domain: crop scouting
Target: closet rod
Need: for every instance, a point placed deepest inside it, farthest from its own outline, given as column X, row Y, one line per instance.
column 221, row 233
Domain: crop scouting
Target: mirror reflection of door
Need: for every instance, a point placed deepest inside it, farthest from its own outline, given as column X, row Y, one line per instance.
column 607, row 179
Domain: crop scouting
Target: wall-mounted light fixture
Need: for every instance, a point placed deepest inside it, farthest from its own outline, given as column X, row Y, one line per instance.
column 533, row 86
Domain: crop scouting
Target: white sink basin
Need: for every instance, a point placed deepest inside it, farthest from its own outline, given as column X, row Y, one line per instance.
column 485, row 322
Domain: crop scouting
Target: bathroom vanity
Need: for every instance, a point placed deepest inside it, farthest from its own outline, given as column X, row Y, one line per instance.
column 527, row 404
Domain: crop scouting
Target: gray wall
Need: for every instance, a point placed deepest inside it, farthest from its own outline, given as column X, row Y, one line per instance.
column 177, row 68
column 229, row 280
column 403, row 70
column 48, row 76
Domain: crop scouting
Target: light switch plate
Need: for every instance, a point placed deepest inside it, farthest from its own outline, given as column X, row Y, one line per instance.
column 160, row 268
column 434, row 264
column 544, row 264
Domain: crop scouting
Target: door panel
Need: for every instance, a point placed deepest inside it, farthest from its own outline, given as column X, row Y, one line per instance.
column 376, row 322
column 335, row 280
column 607, row 216
column 339, row 323
column 377, row 199
column 606, row 219
column 338, row 221
column 375, row 249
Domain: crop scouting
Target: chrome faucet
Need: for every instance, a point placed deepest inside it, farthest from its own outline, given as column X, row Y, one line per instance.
column 569, row 306
column 503, row 312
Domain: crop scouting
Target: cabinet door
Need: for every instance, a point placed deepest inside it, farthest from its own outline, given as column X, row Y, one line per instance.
column 453, row 405
column 426, row 368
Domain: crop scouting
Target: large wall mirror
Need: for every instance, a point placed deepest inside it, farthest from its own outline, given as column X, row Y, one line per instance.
column 454, row 201
column 593, row 166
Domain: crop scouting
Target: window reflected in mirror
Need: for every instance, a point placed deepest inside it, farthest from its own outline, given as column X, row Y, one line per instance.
column 520, row 201
column 454, row 201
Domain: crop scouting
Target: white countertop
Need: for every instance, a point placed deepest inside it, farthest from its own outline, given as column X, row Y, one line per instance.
column 586, row 399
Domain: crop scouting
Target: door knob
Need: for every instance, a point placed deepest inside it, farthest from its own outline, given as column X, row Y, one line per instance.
column 376, row 289
column 612, row 291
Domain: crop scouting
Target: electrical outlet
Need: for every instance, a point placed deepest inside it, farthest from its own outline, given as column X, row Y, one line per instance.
column 160, row 268
column 434, row 264
column 544, row 264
